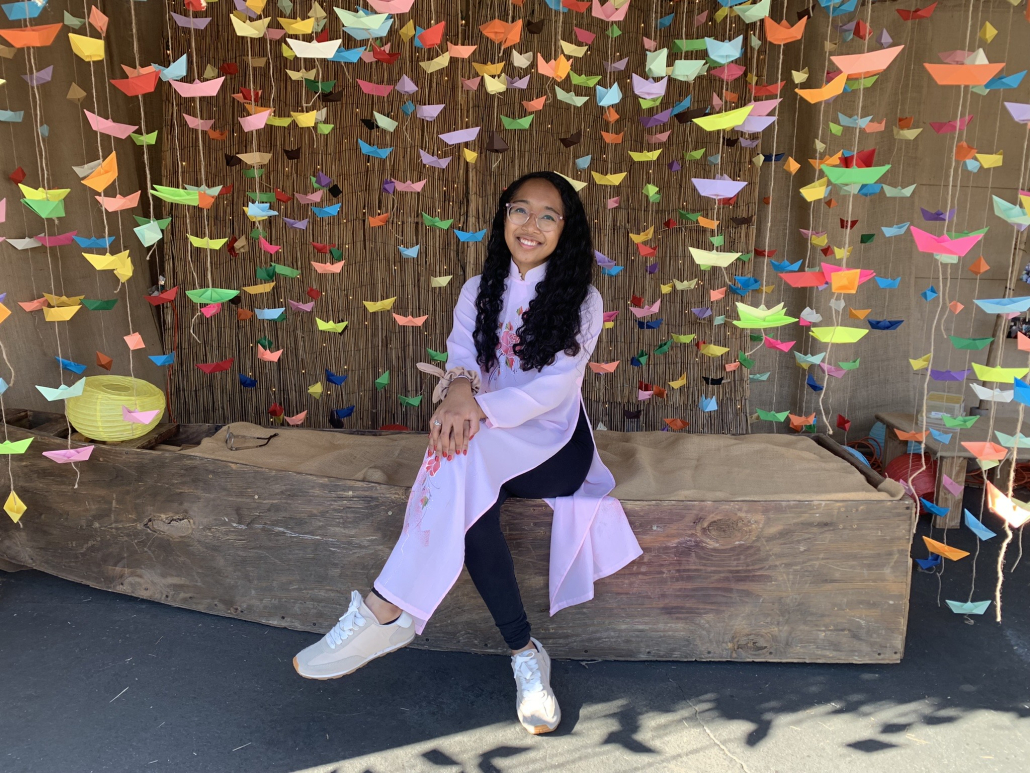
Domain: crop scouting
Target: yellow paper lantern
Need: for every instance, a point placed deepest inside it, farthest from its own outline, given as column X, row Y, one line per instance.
column 97, row 412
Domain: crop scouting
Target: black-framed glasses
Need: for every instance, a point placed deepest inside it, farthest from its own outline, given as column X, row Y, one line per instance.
column 519, row 215
column 230, row 441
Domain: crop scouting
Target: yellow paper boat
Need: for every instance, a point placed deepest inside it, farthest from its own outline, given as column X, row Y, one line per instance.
column 608, row 179
column 330, row 327
column 298, row 26
column 63, row 300
column 643, row 236
column 207, row 244
column 87, row 49
column 839, row 334
column 577, row 185
column 999, row 375
column 59, row 314
column 815, row 191
column 713, row 258
column 714, row 351
column 264, row 287
column 249, row 29
column 385, row 305
column 436, row 64
column 42, row 194
column 727, row 120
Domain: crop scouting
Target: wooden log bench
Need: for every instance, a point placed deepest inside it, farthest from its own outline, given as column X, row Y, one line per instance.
column 817, row 572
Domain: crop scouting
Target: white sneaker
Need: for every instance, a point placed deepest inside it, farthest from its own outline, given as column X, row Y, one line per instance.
column 353, row 642
column 536, row 705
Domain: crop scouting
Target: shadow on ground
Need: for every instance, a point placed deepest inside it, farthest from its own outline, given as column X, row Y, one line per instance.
column 97, row 681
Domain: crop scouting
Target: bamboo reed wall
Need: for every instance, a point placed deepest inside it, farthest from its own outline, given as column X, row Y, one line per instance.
column 467, row 192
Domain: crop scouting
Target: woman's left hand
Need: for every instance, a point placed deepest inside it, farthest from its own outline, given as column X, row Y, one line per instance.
column 458, row 415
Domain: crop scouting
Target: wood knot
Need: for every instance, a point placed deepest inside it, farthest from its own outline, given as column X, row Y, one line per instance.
column 729, row 530
column 170, row 525
column 751, row 643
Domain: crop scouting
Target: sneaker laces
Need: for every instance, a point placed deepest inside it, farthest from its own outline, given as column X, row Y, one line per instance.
column 527, row 674
column 351, row 621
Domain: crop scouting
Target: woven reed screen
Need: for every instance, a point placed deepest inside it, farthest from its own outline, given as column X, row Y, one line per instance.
column 467, row 192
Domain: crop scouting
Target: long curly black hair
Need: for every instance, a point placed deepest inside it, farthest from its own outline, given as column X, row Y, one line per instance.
column 552, row 321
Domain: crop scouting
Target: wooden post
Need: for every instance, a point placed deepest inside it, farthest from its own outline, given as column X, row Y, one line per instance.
column 955, row 468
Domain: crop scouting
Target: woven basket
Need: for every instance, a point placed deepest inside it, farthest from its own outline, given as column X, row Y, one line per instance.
column 97, row 413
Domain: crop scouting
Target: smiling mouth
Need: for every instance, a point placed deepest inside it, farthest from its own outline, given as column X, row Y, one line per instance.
column 528, row 243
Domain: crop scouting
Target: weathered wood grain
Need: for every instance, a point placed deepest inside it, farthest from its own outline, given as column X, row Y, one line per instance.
column 775, row 581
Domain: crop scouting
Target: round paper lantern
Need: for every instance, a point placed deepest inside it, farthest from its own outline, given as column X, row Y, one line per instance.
column 98, row 412
column 922, row 471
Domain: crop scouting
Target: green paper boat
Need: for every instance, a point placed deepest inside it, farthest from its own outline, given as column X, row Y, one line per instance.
column 145, row 139
column 435, row 222
column 664, row 347
column 285, row 270
column 45, row 209
column 99, row 305
column 517, row 123
column 319, row 87
column 973, row 344
column 162, row 223
column 589, row 81
column 211, row 295
column 681, row 45
column 959, row 422
column 9, row 447
column 176, row 195
column 840, row 175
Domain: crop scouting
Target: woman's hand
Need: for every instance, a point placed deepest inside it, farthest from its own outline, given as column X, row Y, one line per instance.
column 459, row 415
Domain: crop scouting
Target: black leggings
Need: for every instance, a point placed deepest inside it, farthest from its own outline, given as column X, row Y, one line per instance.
column 487, row 557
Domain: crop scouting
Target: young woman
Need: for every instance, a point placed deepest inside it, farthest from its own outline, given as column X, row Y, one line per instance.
column 511, row 423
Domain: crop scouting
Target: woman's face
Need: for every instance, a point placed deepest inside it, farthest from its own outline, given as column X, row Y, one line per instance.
column 529, row 244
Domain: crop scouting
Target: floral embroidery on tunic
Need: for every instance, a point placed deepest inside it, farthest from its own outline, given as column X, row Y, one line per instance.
column 419, row 499
column 507, row 340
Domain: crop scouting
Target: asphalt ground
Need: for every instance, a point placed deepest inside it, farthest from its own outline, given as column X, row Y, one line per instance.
column 95, row 681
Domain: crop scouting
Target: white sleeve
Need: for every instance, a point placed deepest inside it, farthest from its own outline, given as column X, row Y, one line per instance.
column 512, row 406
column 461, row 348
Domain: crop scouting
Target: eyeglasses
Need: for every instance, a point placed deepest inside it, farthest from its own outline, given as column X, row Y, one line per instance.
column 519, row 215
column 230, row 441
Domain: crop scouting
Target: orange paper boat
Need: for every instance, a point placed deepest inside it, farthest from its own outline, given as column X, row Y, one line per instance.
column 864, row 65
column 987, row 452
column 963, row 74
column 944, row 550
column 31, row 37
column 919, row 437
column 780, row 33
